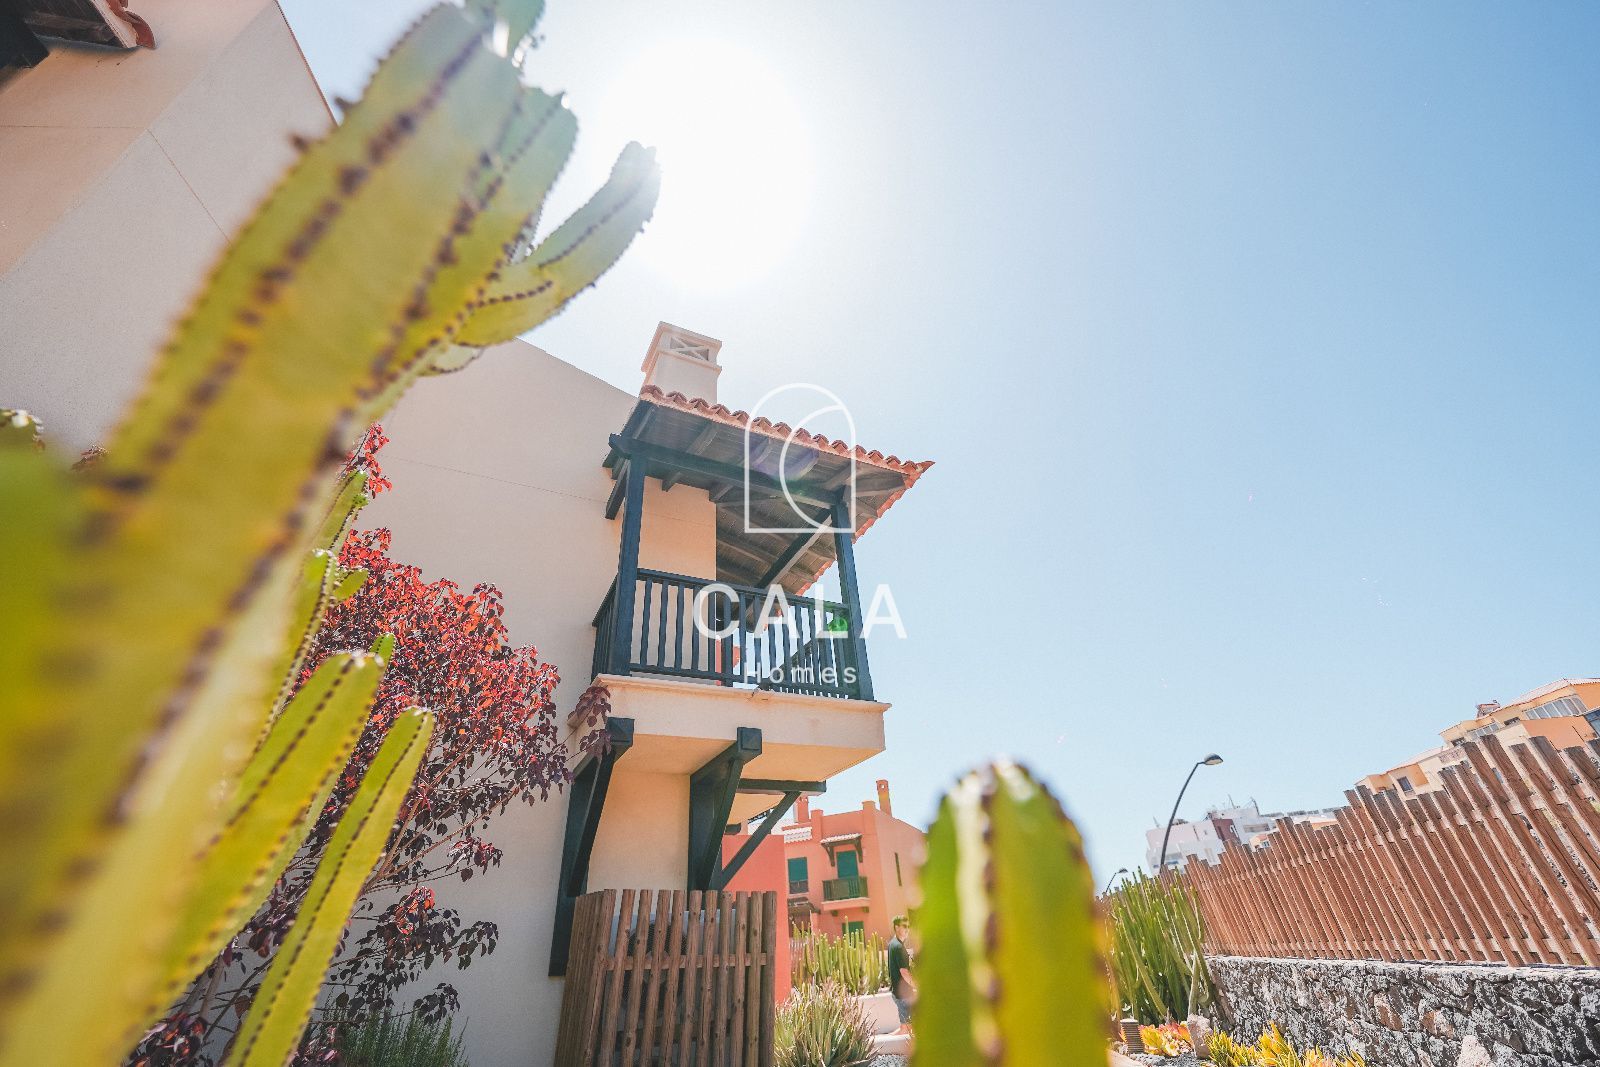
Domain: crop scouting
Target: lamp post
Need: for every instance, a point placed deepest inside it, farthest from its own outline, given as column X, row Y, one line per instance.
column 1114, row 876
column 1210, row 761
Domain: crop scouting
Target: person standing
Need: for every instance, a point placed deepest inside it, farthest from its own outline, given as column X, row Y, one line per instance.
column 902, row 986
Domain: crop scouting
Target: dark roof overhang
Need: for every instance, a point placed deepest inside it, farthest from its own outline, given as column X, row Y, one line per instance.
column 774, row 486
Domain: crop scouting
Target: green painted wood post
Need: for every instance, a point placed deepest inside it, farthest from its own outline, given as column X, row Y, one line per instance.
column 627, row 569
column 850, row 592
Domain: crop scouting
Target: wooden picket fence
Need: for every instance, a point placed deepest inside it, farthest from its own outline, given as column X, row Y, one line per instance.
column 670, row 977
column 1500, row 865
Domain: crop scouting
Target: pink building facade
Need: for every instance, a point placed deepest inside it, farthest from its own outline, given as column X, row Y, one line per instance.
column 851, row 871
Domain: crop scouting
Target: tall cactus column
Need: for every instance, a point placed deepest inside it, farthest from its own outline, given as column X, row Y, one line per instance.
column 1010, row 970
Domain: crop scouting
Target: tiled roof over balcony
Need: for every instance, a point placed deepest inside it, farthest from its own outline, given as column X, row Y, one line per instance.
column 819, row 467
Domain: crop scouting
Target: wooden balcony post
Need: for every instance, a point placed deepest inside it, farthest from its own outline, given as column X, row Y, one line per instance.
column 627, row 568
column 850, row 592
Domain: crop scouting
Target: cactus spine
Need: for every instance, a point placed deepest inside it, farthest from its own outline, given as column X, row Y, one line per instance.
column 1010, row 970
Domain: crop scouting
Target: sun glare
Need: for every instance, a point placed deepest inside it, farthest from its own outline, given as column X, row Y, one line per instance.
column 735, row 159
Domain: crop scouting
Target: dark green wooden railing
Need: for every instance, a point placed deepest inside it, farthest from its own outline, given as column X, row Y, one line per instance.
column 844, row 888
column 729, row 643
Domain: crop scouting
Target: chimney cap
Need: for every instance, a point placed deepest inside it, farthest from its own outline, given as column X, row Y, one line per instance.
column 677, row 341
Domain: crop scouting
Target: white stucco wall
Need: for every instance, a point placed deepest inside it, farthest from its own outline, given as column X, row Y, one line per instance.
column 498, row 477
column 124, row 174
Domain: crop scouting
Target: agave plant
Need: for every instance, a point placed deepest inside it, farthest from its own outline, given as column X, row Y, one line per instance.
column 1011, row 947
column 153, row 777
column 821, row 1026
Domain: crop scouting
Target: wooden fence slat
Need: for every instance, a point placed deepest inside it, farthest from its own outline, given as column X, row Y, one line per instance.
column 610, row 1015
column 594, row 999
column 769, row 969
column 675, row 961
column 752, row 983
column 728, row 919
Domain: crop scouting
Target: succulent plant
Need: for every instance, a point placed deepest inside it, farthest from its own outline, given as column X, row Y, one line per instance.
column 1157, row 954
column 821, row 1025
column 857, row 963
column 158, row 599
column 1010, row 969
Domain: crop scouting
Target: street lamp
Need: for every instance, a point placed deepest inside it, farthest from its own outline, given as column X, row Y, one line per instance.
column 1210, row 761
column 1114, row 876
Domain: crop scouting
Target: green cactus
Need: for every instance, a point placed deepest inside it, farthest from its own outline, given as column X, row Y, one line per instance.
column 278, row 1015
column 158, row 601
column 1010, row 969
column 1157, row 958
column 858, row 964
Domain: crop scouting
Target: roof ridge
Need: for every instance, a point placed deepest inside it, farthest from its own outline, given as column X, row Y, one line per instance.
column 736, row 417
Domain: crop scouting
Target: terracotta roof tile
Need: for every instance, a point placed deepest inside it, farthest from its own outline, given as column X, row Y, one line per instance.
column 910, row 470
column 783, row 431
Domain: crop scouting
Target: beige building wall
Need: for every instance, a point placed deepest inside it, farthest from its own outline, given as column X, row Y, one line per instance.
column 124, row 175
column 498, row 478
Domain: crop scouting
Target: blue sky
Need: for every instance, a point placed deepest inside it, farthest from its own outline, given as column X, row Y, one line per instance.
column 1256, row 346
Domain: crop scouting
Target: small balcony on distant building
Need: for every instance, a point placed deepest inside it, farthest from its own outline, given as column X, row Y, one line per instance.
column 836, row 890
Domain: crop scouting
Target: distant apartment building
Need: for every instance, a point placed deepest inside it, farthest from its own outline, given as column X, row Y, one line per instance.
column 1207, row 839
column 1564, row 712
column 851, row 871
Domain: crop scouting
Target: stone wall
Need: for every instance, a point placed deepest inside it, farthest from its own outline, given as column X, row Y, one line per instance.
column 1418, row 1014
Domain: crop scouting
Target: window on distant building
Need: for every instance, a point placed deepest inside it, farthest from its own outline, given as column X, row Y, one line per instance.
column 1560, row 706
column 798, row 871
column 855, row 928
column 897, row 879
column 848, row 863
column 1404, row 783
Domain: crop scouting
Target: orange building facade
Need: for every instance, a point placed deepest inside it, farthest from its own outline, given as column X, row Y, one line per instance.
column 1563, row 712
column 851, row 871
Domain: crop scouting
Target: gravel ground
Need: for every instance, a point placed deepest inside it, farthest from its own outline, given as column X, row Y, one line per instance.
column 1188, row 1059
column 887, row 1060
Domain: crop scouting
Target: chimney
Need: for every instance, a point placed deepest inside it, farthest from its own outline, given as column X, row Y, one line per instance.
column 1488, row 709
column 802, row 809
column 883, row 797
column 682, row 361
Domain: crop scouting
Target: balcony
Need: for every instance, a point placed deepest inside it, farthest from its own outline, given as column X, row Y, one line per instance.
column 730, row 635
column 838, row 889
